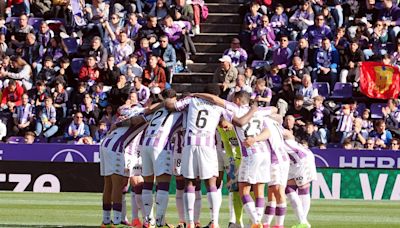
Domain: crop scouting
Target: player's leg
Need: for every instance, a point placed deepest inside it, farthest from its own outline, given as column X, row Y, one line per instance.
column 107, row 201
column 280, row 211
column 147, row 198
column 118, row 184
column 162, row 197
column 123, row 212
column 304, row 195
column 197, row 204
column 180, row 187
column 258, row 190
column 189, row 198
column 136, row 200
column 294, row 199
column 213, row 201
column 248, row 202
column 270, row 209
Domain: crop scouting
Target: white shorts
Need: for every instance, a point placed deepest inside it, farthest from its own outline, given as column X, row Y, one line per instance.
column 303, row 172
column 155, row 162
column 279, row 173
column 199, row 161
column 255, row 168
column 177, row 168
column 114, row 162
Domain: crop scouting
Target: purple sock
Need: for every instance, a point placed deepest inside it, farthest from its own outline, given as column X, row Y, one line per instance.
column 163, row 186
column 290, row 189
column 117, row 207
column 304, row 191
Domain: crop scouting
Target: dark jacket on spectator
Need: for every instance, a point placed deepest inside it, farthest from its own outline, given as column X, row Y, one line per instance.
column 111, row 76
column 118, row 96
column 30, row 53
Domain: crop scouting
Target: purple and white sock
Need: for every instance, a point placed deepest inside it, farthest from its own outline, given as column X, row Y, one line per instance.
column 304, row 195
column 139, row 200
column 197, row 203
column 106, row 213
column 250, row 208
column 162, row 197
column 280, row 213
column 189, row 199
column 260, row 204
column 117, row 208
column 214, row 203
column 180, row 186
column 295, row 201
column 147, row 198
column 269, row 212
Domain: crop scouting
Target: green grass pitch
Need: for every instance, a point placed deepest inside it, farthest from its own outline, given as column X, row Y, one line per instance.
column 84, row 210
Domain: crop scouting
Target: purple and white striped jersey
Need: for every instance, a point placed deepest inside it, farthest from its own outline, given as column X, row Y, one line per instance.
column 345, row 123
column 276, row 141
column 296, row 151
column 133, row 147
column 202, row 120
column 252, row 128
column 161, row 127
column 121, row 137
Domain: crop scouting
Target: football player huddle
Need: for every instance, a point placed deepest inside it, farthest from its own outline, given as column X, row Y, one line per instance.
column 197, row 138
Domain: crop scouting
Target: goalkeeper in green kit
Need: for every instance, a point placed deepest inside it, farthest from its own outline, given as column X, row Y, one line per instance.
column 230, row 145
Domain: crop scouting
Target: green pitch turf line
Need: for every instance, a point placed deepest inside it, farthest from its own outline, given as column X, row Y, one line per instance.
column 84, row 210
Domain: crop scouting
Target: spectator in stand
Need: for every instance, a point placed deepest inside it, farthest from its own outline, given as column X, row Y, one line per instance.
column 159, row 10
column 390, row 15
column 3, row 45
column 321, row 118
column 391, row 116
column 152, row 31
column 264, row 39
column 289, row 124
column 350, row 67
column 122, row 50
column 370, row 145
column 153, row 75
column 197, row 6
column 44, row 35
column 109, row 116
column 307, row 91
column 112, row 72
column 15, row 8
column 394, row 144
column 47, row 73
column 311, row 136
column 132, row 26
column 327, row 64
column 296, row 72
column 90, row 112
column 19, row 32
column 238, row 55
column 89, row 72
column 301, row 51
column 301, row 114
column 119, row 92
column 345, row 124
column 181, row 10
column 31, row 53
column 112, row 30
column 377, row 41
column 60, row 97
column 78, row 95
column 226, row 74
column 132, row 69
column 273, row 79
column 12, row 96
column 252, row 21
column 302, row 18
column 250, row 78
column 77, row 129
column 381, row 135
column 66, row 74
column 240, row 86
column 329, row 20
column 29, row 137
column 356, row 136
column 55, row 49
column 366, row 126
column 23, row 117
column 21, row 72
column 167, row 55
column 282, row 55
column 315, row 34
column 96, row 14
column 285, row 97
column 38, row 94
column 98, row 51
column 262, row 94
column 46, row 120
column 100, row 98
column 143, row 92
column 279, row 20
column 101, row 132
column 143, row 53
column 341, row 42
column 347, row 144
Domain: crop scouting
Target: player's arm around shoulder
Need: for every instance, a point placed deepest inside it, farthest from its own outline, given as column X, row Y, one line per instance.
column 263, row 136
column 211, row 98
column 240, row 122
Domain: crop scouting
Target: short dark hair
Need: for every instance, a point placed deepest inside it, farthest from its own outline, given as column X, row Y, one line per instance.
column 168, row 93
column 243, row 96
column 213, row 89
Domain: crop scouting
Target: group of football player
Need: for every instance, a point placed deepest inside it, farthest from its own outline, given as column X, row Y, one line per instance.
column 197, row 138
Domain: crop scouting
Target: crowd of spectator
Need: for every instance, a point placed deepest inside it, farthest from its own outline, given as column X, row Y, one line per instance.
column 67, row 66
column 288, row 46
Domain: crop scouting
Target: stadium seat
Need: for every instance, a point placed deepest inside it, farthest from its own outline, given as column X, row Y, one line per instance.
column 323, row 88
column 16, row 140
column 12, row 21
column 342, row 90
column 360, row 108
column 76, row 65
column 35, row 22
column 71, row 45
column 333, row 145
column 40, row 140
column 376, row 110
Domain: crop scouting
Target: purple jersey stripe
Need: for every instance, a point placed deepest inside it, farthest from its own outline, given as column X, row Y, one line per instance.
column 274, row 158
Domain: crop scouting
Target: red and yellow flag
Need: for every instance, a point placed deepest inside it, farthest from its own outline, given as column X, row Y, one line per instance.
column 379, row 81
